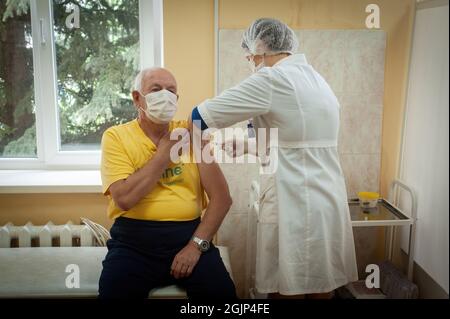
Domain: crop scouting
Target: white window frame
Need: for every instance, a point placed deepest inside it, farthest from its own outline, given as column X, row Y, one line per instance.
column 49, row 156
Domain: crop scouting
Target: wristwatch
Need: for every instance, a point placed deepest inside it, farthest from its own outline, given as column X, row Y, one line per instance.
column 203, row 245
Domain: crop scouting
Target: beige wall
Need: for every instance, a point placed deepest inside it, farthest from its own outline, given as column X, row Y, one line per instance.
column 189, row 49
column 59, row 208
column 189, row 53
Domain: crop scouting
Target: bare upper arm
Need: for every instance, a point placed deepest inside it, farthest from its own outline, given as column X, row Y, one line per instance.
column 214, row 181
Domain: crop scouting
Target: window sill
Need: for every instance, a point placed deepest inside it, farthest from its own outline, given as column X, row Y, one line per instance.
column 46, row 181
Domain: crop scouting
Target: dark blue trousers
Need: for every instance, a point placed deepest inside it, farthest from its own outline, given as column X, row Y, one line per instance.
column 141, row 252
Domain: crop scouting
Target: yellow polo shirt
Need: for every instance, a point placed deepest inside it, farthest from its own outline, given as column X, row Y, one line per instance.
column 177, row 196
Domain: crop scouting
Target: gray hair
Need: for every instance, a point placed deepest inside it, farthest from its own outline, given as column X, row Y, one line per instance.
column 140, row 76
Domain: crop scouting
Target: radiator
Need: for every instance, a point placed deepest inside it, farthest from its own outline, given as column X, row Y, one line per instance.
column 49, row 235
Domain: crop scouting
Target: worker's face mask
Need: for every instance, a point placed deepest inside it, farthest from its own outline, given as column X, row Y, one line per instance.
column 161, row 106
column 255, row 68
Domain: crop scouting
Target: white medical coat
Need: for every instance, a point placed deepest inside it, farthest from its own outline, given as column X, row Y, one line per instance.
column 304, row 240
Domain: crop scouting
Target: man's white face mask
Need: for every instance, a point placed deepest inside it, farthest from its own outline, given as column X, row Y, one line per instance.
column 161, row 106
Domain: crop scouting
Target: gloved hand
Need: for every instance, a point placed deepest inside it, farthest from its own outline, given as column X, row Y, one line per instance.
column 239, row 147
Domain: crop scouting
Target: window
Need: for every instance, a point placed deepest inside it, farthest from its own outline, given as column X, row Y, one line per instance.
column 94, row 80
column 17, row 119
column 86, row 54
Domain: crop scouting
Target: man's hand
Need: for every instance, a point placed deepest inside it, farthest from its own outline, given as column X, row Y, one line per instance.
column 166, row 144
column 184, row 262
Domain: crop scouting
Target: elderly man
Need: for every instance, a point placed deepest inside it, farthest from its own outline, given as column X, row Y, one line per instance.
column 158, row 237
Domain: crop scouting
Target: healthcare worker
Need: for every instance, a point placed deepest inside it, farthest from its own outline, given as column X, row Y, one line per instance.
column 305, row 241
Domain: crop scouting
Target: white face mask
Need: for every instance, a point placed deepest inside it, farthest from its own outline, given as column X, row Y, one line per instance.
column 161, row 106
column 256, row 68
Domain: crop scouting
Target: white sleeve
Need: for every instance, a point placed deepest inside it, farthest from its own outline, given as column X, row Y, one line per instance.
column 250, row 98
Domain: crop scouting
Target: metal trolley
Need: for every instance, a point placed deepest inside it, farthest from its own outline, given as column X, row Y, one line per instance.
column 387, row 214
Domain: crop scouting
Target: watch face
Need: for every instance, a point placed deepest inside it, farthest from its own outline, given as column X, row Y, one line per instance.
column 204, row 245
